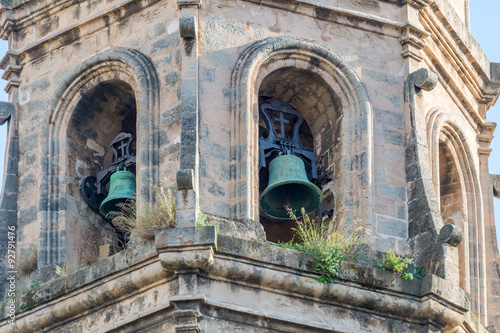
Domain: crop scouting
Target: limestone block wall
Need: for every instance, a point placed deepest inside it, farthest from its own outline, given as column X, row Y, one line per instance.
column 373, row 54
column 66, row 45
column 404, row 155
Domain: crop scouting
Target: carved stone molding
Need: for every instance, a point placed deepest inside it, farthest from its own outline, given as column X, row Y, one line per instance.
column 188, row 27
column 7, row 110
column 495, row 181
column 182, row 3
column 451, row 234
column 419, row 4
column 10, row 63
column 412, row 40
column 424, row 79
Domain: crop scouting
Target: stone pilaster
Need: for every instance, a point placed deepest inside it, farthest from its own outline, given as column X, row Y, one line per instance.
column 424, row 220
column 185, row 252
column 9, row 192
column 8, row 196
column 187, row 200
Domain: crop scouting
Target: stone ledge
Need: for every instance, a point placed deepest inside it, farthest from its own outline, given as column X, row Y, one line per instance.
column 254, row 264
column 84, row 278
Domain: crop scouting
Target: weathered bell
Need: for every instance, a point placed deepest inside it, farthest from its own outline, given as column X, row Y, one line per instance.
column 121, row 189
column 288, row 186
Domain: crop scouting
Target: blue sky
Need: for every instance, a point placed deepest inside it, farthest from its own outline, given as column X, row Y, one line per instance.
column 484, row 28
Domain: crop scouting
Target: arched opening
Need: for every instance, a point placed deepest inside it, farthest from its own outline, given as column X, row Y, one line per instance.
column 307, row 93
column 114, row 90
column 456, row 181
column 100, row 115
column 452, row 202
column 334, row 103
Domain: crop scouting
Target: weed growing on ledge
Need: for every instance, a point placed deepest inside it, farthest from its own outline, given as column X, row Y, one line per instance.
column 399, row 265
column 330, row 243
column 61, row 271
column 202, row 221
column 153, row 217
column 30, row 288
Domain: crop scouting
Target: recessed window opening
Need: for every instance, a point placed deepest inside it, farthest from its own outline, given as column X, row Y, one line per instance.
column 101, row 114
column 298, row 102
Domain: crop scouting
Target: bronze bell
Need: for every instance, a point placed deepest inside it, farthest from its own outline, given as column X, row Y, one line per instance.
column 121, row 189
column 289, row 186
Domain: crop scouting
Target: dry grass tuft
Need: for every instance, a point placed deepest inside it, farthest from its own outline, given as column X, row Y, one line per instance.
column 28, row 262
column 154, row 217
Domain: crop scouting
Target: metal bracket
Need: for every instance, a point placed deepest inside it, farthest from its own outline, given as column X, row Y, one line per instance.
column 275, row 142
column 93, row 188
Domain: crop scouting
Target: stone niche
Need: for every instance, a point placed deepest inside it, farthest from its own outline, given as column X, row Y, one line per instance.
column 309, row 94
column 100, row 115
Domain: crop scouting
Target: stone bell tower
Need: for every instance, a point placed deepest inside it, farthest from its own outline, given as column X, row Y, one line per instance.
column 382, row 104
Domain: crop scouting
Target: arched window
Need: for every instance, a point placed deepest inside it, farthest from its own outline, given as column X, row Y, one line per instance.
column 451, row 203
column 334, row 103
column 100, row 115
column 306, row 101
column 112, row 92
column 455, row 177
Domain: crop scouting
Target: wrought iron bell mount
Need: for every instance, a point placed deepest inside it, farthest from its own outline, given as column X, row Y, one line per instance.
column 121, row 180
column 297, row 184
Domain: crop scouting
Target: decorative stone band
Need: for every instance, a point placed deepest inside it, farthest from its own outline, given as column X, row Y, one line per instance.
column 103, row 292
column 495, row 180
column 431, row 299
column 6, row 111
column 182, row 3
column 424, row 79
column 451, row 234
column 419, row 4
column 186, row 249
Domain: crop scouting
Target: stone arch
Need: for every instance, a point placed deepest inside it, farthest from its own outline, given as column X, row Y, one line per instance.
column 355, row 169
column 122, row 67
column 456, row 181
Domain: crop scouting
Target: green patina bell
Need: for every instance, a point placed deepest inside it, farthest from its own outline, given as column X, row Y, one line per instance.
column 121, row 189
column 289, row 186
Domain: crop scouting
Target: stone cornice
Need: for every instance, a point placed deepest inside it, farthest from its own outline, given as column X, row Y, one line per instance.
column 460, row 56
column 30, row 13
column 338, row 14
column 248, row 263
column 12, row 70
column 444, row 42
column 90, row 25
column 419, row 4
column 411, row 39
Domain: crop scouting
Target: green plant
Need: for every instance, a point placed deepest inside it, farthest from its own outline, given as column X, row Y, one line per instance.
column 152, row 217
column 418, row 272
column 61, row 271
column 201, row 220
column 330, row 243
column 400, row 265
column 22, row 307
column 30, row 288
